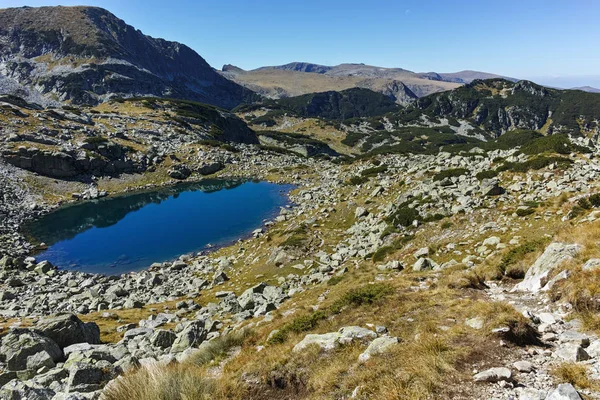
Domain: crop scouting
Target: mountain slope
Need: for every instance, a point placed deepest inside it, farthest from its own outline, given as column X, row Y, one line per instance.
column 85, row 55
column 350, row 103
column 499, row 105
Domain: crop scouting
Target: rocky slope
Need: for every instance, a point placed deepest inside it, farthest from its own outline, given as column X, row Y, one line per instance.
column 427, row 265
column 85, row 55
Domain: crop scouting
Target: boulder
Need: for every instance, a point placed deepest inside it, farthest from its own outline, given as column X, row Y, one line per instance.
column 179, row 171
column 491, row 187
column 591, row 265
column 493, row 375
column 554, row 255
column 565, row 391
column 191, row 336
column 163, row 338
column 16, row 390
column 349, row 334
column 87, row 378
column 210, row 168
column 326, row 341
column 24, row 349
column 67, row 329
column 423, row 264
column 360, row 212
column 571, row 352
column 523, row 366
column 378, row 346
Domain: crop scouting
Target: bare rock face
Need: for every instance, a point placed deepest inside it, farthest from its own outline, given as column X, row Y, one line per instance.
column 87, row 55
column 537, row 276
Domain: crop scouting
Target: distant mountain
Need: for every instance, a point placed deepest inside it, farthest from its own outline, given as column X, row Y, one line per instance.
column 300, row 67
column 298, row 78
column 470, row 76
column 587, row 89
column 86, row 55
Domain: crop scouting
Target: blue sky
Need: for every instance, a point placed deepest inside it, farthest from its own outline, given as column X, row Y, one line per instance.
column 552, row 42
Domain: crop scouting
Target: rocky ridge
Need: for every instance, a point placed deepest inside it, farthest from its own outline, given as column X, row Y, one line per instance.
column 86, row 55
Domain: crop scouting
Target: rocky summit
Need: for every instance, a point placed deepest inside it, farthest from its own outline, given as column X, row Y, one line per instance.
column 437, row 245
column 86, row 55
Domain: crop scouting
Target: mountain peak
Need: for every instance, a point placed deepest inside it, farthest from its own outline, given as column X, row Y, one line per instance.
column 101, row 56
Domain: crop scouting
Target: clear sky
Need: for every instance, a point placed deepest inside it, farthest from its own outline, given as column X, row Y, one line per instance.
column 550, row 41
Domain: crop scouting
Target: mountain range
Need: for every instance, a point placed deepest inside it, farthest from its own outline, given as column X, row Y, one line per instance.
column 298, row 78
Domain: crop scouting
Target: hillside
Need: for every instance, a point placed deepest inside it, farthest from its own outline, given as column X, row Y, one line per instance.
column 466, row 117
column 85, row 55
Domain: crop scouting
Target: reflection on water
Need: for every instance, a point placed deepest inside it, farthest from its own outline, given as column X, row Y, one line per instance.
column 127, row 233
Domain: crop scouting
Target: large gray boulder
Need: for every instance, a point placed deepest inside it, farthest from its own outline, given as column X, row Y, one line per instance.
column 87, row 378
column 210, row 168
column 25, row 349
column 378, row 346
column 191, row 336
column 16, row 390
column 326, row 341
column 554, row 255
column 163, row 338
column 566, row 391
column 67, row 329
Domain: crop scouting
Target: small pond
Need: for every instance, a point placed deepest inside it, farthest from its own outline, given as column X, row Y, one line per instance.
column 128, row 233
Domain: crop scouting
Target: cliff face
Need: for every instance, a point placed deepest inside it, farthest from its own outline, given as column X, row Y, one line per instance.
column 86, row 55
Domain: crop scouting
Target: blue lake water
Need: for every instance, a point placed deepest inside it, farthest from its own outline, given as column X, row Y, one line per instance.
column 128, row 233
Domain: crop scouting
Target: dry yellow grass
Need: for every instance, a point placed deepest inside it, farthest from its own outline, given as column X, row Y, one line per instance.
column 573, row 373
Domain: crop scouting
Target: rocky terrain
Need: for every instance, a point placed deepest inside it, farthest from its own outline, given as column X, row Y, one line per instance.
column 440, row 247
column 414, row 226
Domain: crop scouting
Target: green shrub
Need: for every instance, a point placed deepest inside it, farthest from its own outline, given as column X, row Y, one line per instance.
column 357, row 180
column 535, row 164
column 584, row 203
column 594, row 200
column 364, row 295
column 434, row 217
column 552, row 144
column 334, row 280
column 489, row 174
column 216, row 143
column 374, row 171
column 352, row 298
column 218, row 347
column 450, row 173
column 382, row 253
column 404, row 216
column 523, row 212
column 95, row 140
column 517, row 253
